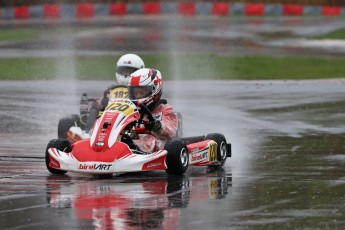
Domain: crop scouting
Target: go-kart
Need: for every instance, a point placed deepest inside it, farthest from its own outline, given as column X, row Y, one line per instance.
column 89, row 111
column 110, row 149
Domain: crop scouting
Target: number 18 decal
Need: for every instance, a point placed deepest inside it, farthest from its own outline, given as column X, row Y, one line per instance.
column 119, row 93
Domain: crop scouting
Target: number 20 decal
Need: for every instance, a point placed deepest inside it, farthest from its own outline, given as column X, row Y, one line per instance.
column 119, row 107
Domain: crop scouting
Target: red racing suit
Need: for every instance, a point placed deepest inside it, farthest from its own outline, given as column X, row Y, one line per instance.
column 155, row 141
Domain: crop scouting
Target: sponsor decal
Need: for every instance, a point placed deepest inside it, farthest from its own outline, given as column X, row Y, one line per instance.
column 212, row 151
column 99, row 143
column 100, row 139
column 154, row 164
column 100, row 167
column 101, row 136
column 199, row 156
column 194, row 151
column 157, row 116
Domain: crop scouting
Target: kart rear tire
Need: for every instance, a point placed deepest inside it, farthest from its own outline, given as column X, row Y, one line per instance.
column 222, row 149
column 177, row 159
column 64, row 125
column 60, row 144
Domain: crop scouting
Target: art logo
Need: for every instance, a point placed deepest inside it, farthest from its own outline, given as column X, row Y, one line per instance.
column 100, row 167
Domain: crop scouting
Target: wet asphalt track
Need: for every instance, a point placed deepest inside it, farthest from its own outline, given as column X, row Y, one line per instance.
column 286, row 171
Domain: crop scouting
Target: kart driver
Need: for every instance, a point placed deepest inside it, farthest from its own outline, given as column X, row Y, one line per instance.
column 145, row 86
column 126, row 65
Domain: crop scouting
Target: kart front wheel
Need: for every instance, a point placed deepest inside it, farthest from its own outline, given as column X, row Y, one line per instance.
column 60, row 144
column 177, row 159
column 63, row 127
column 222, row 149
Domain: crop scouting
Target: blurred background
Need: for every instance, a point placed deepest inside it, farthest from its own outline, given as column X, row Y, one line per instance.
column 309, row 2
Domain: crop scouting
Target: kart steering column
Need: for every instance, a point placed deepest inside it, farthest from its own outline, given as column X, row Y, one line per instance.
column 145, row 110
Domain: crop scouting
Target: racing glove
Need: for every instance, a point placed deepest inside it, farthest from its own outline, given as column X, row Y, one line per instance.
column 153, row 126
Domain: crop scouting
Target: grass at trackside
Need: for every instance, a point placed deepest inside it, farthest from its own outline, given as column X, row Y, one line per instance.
column 180, row 67
column 11, row 34
column 22, row 34
column 338, row 34
column 16, row 34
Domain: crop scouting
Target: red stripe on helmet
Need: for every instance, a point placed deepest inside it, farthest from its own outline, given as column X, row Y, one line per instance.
column 135, row 80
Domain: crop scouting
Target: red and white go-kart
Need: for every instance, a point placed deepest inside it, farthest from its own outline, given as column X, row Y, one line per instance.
column 110, row 149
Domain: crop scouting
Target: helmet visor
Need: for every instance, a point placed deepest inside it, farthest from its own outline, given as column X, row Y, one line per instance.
column 139, row 92
column 125, row 70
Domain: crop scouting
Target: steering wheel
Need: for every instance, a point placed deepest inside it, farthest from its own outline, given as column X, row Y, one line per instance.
column 146, row 111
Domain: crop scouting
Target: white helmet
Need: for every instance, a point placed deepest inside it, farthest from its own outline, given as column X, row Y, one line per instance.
column 126, row 65
column 145, row 86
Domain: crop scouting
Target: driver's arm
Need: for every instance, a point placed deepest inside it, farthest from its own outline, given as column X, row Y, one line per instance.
column 169, row 122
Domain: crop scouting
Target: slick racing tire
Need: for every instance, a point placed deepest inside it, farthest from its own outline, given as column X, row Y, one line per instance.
column 66, row 123
column 177, row 159
column 222, row 149
column 60, row 144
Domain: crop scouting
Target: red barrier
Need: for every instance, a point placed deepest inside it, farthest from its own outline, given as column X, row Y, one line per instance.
column 220, row 8
column 51, row 11
column 21, row 12
column 186, row 8
column 151, row 8
column 289, row 9
column 331, row 11
column 118, row 8
column 85, row 10
column 252, row 9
